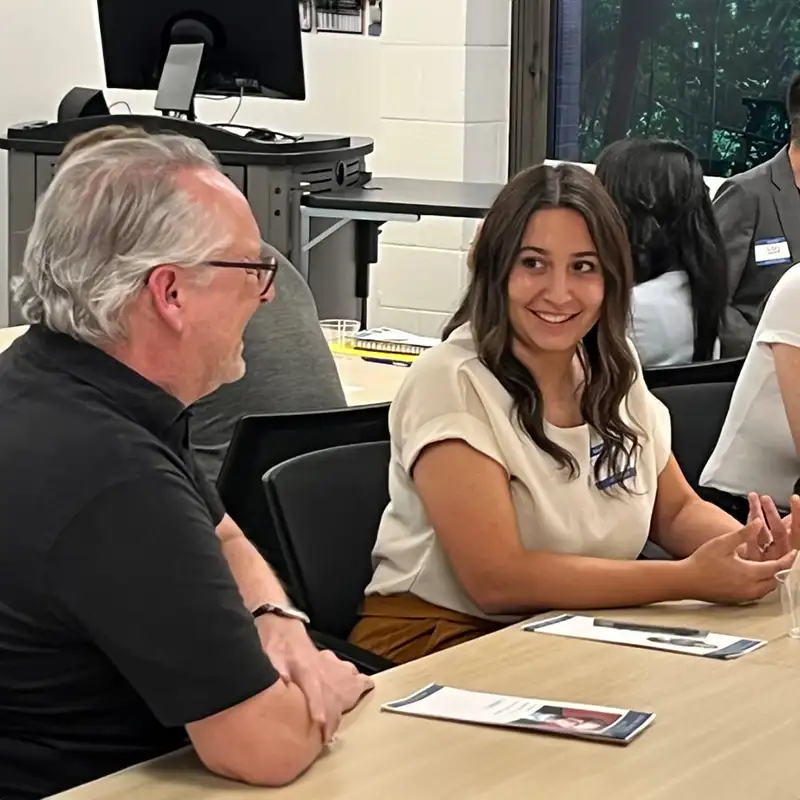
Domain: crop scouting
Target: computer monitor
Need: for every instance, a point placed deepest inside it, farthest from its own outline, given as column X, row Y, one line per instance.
column 184, row 47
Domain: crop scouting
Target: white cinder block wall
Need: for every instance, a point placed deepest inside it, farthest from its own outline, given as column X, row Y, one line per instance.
column 444, row 116
column 432, row 92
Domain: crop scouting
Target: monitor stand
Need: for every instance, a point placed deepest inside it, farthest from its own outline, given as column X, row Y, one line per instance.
column 178, row 85
column 178, row 82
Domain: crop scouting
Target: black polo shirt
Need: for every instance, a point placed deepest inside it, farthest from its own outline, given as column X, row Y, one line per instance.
column 120, row 620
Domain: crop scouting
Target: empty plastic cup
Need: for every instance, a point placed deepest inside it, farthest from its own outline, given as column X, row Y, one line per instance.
column 789, row 585
column 337, row 330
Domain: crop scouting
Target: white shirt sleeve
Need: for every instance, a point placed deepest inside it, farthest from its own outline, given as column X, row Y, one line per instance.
column 780, row 322
column 437, row 402
column 660, row 430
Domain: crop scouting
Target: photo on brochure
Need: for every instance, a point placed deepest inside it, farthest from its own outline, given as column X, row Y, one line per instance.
column 560, row 719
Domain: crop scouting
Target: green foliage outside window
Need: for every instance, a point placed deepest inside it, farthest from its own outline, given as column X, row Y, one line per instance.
column 709, row 73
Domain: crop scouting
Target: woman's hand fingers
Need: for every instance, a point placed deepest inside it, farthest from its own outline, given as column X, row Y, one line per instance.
column 757, row 547
column 780, row 544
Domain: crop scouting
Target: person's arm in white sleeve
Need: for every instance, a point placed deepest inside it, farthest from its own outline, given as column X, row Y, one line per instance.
column 779, row 331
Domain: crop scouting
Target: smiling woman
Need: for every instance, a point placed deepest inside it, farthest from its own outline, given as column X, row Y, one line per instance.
column 552, row 271
column 530, row 463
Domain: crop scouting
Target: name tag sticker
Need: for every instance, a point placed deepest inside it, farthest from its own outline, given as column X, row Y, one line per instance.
column 613, row 480
column 772, row 251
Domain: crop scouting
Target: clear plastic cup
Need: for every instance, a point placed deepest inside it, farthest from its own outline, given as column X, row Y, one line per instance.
column 789, row 586
column 337, row 330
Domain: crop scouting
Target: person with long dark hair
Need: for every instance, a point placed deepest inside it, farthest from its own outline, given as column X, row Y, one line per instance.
column 679, row 259
column 529, row 462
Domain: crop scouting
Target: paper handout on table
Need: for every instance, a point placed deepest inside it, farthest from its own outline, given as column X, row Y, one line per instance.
column 656, row 637
column 614, row 725
column 392, row 339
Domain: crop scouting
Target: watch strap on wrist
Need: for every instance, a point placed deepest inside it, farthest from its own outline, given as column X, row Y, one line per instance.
column 287, row 612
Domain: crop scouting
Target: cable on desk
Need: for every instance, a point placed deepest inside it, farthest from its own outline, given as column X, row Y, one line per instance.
column 121, row 103
column 257, row 132
column 238, row 106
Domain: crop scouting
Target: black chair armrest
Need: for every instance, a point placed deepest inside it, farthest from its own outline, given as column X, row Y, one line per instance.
column 366, row 662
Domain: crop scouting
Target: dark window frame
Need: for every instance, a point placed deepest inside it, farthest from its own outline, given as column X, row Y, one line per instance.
column 530, row 101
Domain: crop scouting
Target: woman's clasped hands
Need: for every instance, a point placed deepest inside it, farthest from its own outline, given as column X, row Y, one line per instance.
column 741, row 566
column 778, row 535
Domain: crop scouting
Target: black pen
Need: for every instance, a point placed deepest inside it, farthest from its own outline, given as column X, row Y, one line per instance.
column 633, row 626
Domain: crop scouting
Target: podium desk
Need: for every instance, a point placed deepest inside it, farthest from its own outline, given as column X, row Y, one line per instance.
column 383, row 200
column 407, row 197
column 272, row 174
column 724, row 729
column 303, row 194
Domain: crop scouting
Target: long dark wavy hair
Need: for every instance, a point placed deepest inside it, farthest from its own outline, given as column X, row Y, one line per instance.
column 608, row 363
column 659, row 189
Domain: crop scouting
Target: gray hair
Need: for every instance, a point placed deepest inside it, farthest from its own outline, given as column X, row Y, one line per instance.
column 112, row 212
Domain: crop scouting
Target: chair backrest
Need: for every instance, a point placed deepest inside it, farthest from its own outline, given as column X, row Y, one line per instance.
column 260, row 442
column 723, row 370
column 326, row 508
column 698, row 412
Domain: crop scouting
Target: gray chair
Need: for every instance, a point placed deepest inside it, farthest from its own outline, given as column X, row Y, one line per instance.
column 698, row 413
column 261, row 441
column 325, row 508
column 723, row 370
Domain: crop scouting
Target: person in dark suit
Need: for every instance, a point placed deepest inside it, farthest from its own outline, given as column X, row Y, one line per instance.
column 759, row 217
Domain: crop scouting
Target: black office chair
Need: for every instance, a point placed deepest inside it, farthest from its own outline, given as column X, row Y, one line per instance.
column 724, row 370
column 698, row 412
column 260, row 442
column 326, row 507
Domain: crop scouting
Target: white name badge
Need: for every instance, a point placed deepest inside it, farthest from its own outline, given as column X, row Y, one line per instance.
column 772, row 251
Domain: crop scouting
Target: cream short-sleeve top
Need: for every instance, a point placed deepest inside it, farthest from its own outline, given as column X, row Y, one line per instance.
column 450, row 394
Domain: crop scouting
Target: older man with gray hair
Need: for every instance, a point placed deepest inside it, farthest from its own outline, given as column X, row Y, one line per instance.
column 133, row 611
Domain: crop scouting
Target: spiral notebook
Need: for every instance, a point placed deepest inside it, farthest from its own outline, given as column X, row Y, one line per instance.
column 392, row 340
column 388, row 345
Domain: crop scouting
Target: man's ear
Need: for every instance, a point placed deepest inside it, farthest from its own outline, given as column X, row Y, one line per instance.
column 167, row 295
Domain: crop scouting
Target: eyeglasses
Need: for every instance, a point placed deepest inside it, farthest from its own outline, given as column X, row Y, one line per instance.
column 265, row 269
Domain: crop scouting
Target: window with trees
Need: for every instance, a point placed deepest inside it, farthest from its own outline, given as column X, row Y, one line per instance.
column 709, row 73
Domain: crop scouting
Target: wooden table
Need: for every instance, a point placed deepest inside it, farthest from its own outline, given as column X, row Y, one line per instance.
column 723, row 729
column 368, row 382
column 364, row 382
